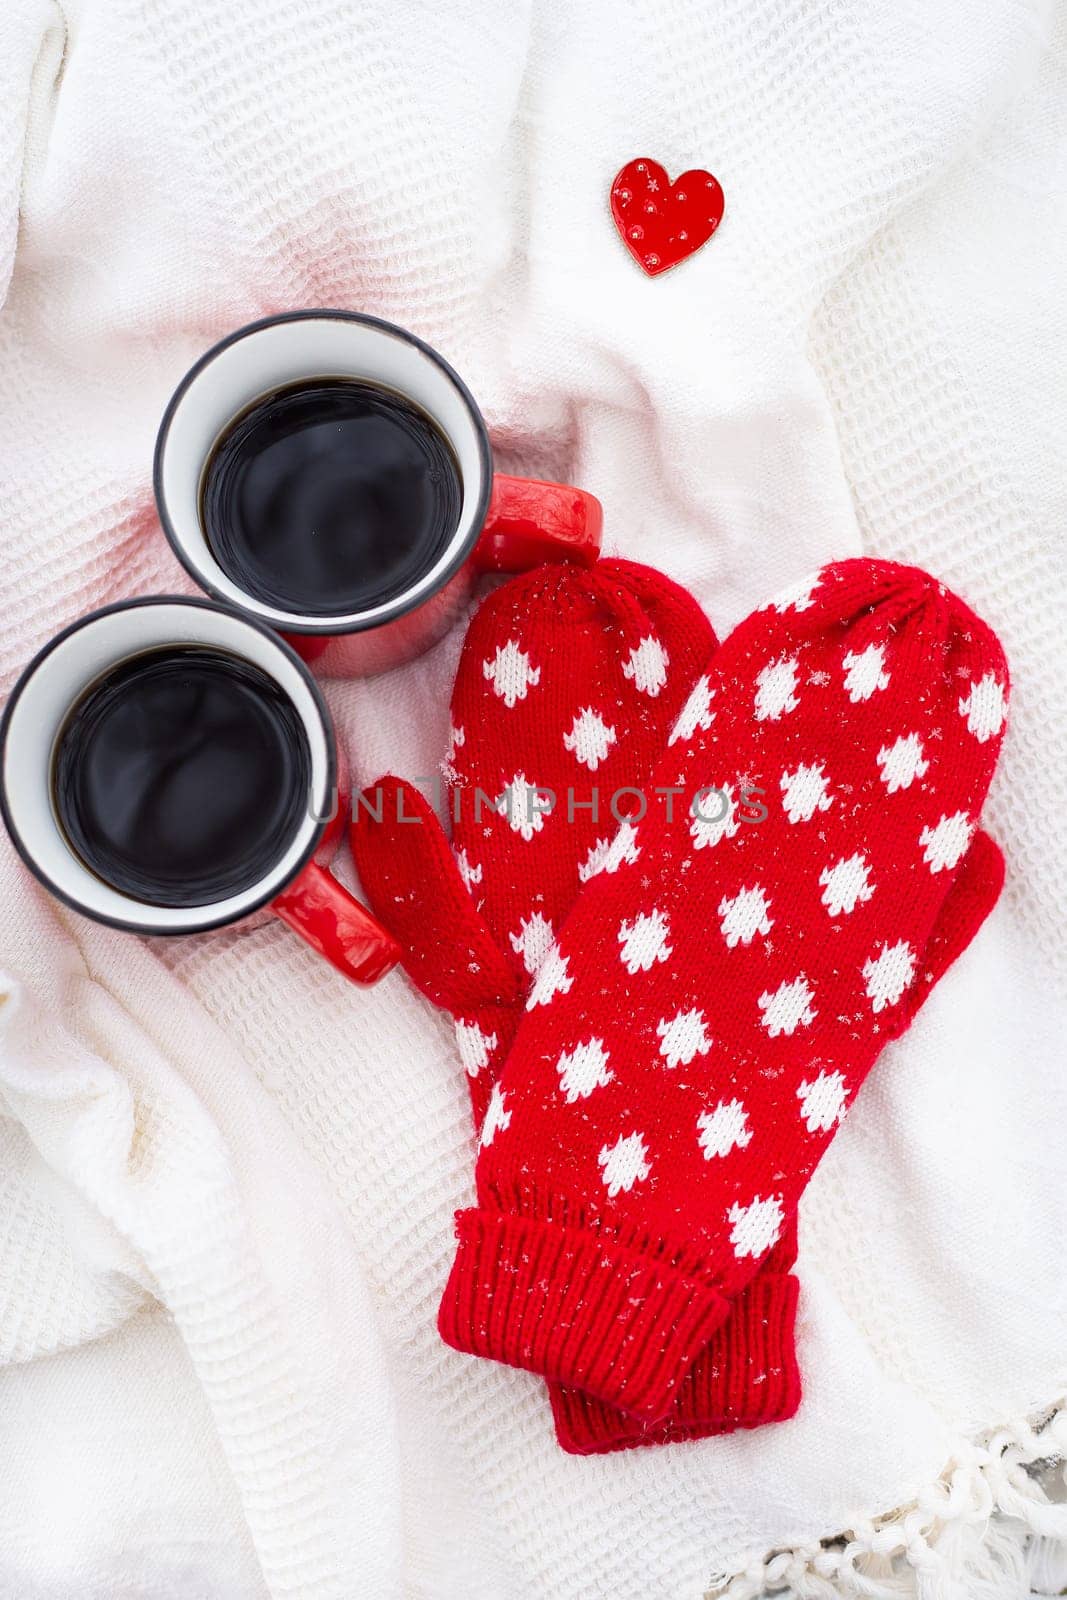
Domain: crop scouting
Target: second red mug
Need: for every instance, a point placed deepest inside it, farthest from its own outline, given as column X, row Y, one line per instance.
column 505, row 524
column 292, row 881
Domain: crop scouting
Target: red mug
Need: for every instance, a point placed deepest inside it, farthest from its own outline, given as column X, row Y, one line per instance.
column 505, row 524
column 296, row 886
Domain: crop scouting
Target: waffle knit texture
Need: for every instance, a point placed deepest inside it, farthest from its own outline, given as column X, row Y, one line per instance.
column 868, row 357
column 714, row 1003
column 568, row 685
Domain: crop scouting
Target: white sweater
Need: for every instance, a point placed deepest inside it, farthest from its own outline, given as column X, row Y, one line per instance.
column 226, row 1178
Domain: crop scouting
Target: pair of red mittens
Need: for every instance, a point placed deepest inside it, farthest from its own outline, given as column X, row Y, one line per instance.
column 569, row 683
column 670, row 1088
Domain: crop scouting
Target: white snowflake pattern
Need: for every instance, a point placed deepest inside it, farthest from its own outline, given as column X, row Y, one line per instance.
column 468, row 871
column 864, row 673
column 623, row 1164
column 845, row 884
column 755, row 1227
column 788, row 1007
column 902, row 762
column 553, row 977
column 724, row 1129
column 985, row 706
column 583, row 1069
column 511, row 673
column 644, row 941
column 888, row 974
column 497, row 1117
column 457, row 738
column 805, row 791
column 945, row 843
column 744, row 915
column 683, row 1037
column 706, row 826
column 822, row 1101
column 590, row 738
column 646, row 666
column 533, row 941
column 696, row 713
column 776, row 689
column 608, row 855
column 475, row 1047
column 520, row 804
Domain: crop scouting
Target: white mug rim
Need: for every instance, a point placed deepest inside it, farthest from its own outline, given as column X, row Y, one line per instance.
column 413, row 597
column 209, row 923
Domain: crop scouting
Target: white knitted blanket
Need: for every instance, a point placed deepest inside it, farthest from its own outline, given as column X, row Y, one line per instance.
column 227, row 1179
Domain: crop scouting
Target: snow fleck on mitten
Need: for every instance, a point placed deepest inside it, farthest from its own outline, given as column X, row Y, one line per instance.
column 717, row 1001
column 578, row 678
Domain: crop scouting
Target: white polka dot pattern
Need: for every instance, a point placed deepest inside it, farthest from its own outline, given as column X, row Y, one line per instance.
column 864, row 673
column 511, row 674
column 902, row 762
column 497, row 1117
column 475, row 1047
column 646, row 666
column 697, row 715
column 683, row 1037
column 533, row 941
column 608, row 855
column 589, row 739
column 985, row 706
column 623, row 1164
column 524, row 806
column 582, row 1070
column 944, row 843
column 846, row 884
column 805, row 791
column 644, row 941
column 744, row 915
column 469, row 871
column 822, row 1101
column 889, row 973
column 553, row 978
column 788, row 1007
column 776, row 690
column 713, row 817
column 724, row 1129
column 755, row 1227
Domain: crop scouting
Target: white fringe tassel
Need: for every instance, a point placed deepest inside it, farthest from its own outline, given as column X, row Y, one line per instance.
column 993, row 1527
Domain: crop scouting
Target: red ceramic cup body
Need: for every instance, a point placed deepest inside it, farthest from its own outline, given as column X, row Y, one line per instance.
column 505, row 524
column 296, row 887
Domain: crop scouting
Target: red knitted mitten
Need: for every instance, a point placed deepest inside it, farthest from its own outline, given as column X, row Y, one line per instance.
column 569, row 680
column 729, row 1392
column 714, row 1003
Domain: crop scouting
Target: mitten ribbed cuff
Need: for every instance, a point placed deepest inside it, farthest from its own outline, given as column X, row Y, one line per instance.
column 747, row 1376
column 577, row 1307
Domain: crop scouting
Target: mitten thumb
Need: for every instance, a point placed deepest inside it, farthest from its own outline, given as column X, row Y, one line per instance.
column 966, row 906
column 412, row 881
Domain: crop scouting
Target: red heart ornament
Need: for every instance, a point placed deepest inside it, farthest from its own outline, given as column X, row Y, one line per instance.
column 661, row 222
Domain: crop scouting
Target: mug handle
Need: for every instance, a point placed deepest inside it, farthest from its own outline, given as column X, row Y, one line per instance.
column 529, row 522
column 334, row 923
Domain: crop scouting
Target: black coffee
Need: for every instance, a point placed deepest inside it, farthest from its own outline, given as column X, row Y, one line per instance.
column 181, row 775
column 330, row 496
